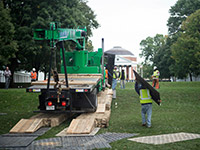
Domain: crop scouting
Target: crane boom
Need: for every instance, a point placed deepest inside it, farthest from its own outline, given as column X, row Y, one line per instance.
column 56, row 34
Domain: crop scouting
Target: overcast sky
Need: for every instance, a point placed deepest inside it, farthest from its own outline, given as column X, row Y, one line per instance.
column 126, row 22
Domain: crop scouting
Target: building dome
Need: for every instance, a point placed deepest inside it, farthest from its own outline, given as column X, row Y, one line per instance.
column 117, row 50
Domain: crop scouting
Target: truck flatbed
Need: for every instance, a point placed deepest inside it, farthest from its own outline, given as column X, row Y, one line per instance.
column 77, row 83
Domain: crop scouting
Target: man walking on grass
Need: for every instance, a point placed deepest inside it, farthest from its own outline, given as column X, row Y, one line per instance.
column 7, row 75
column 146, row 103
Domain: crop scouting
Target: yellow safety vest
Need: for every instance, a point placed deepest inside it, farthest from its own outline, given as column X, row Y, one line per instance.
column 114, row 74
column 156, row 74
column 145, row 96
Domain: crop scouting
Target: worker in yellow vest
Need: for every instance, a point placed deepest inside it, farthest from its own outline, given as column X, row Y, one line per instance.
column 155, row 77
column 146, row 103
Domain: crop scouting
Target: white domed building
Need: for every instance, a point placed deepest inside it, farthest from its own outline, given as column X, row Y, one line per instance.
column 124, row 59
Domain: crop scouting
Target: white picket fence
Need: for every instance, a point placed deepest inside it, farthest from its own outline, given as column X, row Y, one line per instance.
column 21, row 77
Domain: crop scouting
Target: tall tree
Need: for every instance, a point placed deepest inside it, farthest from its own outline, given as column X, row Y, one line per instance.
column 8, row 47
column 163, row 59
column 186, row 51
column 28, row 14
column 150, row 47
column 179, row 12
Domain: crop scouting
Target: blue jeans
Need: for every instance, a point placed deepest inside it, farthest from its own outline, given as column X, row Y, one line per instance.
column 146, row 109
column 122, row 82
column 7, row 82
column 114, row 84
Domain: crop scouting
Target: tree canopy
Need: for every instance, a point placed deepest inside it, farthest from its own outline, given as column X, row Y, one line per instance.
column 151, row 51
column 25, row 15
column 174, row 56
column 186, row 51
column 8, row 47
column 179, row 12
column 150, row 46
column 163, row 59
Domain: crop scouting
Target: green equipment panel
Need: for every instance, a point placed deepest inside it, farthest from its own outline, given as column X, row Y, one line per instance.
column 79, row 61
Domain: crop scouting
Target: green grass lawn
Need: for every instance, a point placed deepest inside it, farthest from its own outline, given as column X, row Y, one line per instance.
column 179, row 112
column 17, row 104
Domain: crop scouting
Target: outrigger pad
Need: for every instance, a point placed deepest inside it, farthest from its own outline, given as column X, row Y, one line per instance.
column 154, row 94
column 20, row 140
column 16, row 142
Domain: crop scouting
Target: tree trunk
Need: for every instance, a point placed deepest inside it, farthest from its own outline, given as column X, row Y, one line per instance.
column 12, row 68
column 45, row 75
column 190, row 77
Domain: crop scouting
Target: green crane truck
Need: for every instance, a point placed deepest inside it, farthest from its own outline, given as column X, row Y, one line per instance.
column 82, row 73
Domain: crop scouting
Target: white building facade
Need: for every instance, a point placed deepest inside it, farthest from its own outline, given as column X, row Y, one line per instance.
column 125, row 60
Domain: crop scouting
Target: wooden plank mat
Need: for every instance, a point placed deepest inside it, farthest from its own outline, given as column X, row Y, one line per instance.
column 101, row 108
column 58, row 119
column 40, row 120
column 51, row 119
column 81, row 126
column 35, row 125
column 102, row 120
column 18, row 126
column 27, row 126
column 110, row 92
column 100, row 117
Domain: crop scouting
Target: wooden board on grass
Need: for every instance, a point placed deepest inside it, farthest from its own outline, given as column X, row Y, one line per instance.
column 40, row 120
column 81, row 126
column 27, row 126
column 101, row 108
column 85, row 123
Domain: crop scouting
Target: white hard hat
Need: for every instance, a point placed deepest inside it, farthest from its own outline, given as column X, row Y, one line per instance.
column 33, row 69
column 154, row 67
